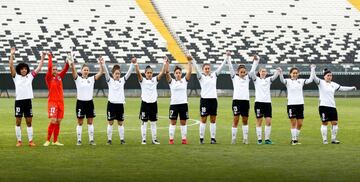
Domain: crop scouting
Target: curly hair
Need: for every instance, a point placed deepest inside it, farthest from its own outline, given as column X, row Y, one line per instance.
column 20, row 66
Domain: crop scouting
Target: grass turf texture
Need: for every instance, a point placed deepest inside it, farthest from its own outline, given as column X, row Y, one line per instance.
column 311, row 161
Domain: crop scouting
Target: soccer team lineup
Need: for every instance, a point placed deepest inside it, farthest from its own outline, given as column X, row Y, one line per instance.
column 178, row 109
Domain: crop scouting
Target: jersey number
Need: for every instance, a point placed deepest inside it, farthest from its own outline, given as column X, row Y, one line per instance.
column 171, row 112
column 235, row 109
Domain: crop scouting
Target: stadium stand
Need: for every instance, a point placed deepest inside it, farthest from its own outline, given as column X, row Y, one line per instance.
column 282, row 32
column 115, row 29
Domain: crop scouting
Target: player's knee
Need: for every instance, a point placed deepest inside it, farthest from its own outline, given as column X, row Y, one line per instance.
column 120, row 123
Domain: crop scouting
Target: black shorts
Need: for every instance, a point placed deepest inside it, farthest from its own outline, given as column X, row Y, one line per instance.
column 263, row 109
column 148, row 111
column 85, row 108
column 115, row 111
column 23, row 108
column 241, row 107
column 208, row 107
column 179, row 110
column 328, row 113
column 295, row 111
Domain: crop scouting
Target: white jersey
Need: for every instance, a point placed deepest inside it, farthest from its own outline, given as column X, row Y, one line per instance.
column 241, row 88
column 85, row 88
column 178, row 91
column 326, row 93
column 23, row 86
column 149, row 90
column 295, row 94
column 116, row 91
column 262, row 89
column 208, row 86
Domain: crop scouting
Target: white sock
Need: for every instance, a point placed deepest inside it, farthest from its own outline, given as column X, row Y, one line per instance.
column 121, row 132
column 143, row 130
column 323, row 130
column 183, row 129
column 212, row 130
column 334, row 131
column 171, row 131
column 91, row 132
column 30, row 133
column 297, row 134
column 202, row 129
column 267, row 132
column 78, row 132
column 233, row 133
column 153, row 130
column 18, row 133
column 109, row 131
column 293, row 133
column 259, row 133
column 245, row 129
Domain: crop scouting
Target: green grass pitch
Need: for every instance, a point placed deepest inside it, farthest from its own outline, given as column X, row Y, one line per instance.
column 311, row 161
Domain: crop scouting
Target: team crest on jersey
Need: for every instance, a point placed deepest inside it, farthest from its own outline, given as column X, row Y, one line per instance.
column 88, row 81
column 59, row 78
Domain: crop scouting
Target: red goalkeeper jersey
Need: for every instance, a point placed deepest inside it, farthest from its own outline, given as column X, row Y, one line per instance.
column 54, row 83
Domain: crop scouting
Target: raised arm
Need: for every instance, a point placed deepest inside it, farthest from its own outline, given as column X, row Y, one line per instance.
column 128, row 73
column 11, row 62
column 315, row 78
column 197, row 69
column 252, row 74
column 231, row 69
column 63, row 72
column 188, row 72
column 50, row 65
column 217, row 72
column 101, row 69
column 107, row 74
column 276, row 74
column 167, row 72
column 161, row 73
column 70, row 61
column 281, row 75
column 73, row 71
column 311, row 78
column 140, row 78
column 38, row 68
